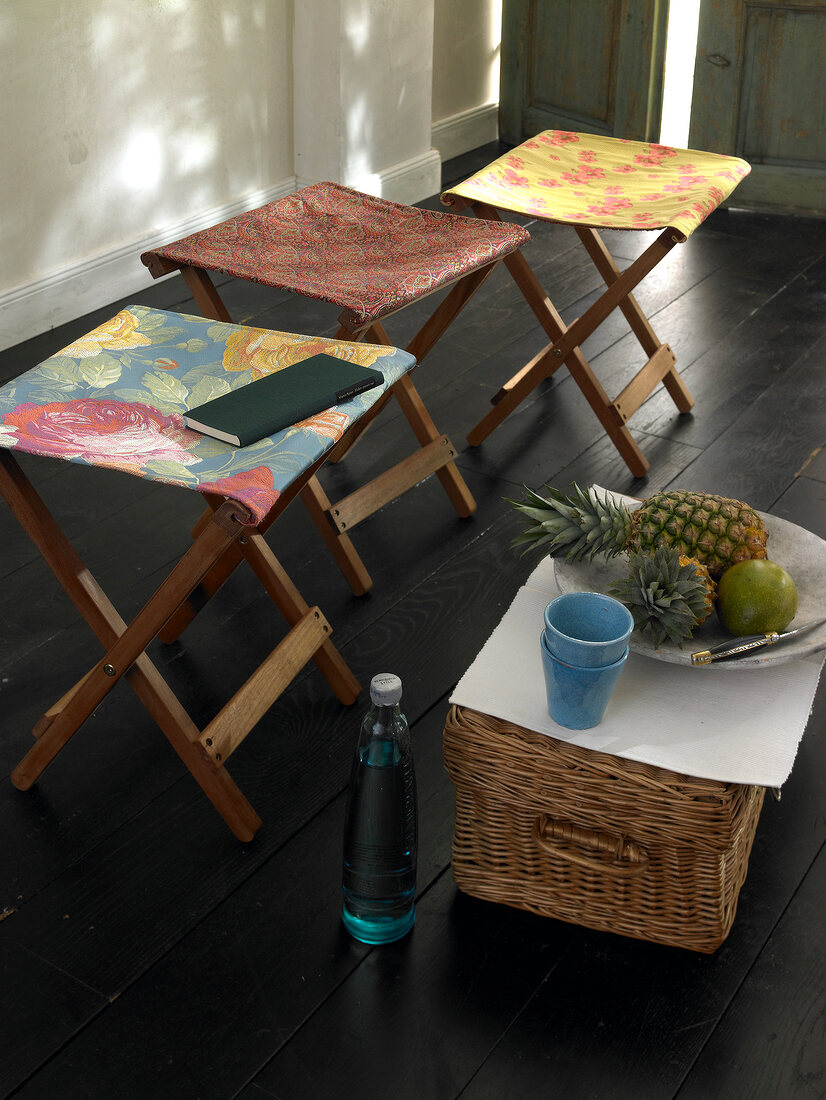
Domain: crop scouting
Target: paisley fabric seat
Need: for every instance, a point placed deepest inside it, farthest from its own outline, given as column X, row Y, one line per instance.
column 595, row 183
column 370, row 257
column 115, row 398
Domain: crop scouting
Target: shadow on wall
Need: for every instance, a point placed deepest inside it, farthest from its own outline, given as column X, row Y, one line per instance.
column 126, row 121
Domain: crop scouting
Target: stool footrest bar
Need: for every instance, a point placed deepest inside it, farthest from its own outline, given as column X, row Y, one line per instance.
column 273, row 676
column 352, row 509
column 639, row 388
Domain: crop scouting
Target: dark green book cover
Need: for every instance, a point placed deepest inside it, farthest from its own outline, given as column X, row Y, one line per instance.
column 278, row 400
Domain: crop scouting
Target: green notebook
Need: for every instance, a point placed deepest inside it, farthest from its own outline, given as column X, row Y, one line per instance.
column 294, row 393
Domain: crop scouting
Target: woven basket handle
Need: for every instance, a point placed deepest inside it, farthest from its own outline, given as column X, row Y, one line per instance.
column 562, row 838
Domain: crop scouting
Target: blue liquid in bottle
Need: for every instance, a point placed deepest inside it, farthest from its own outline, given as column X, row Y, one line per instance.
column 380, row 831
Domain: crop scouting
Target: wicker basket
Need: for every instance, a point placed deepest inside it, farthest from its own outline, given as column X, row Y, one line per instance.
column 594, row 839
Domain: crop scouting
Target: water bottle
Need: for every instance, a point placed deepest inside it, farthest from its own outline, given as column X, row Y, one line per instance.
column 380, row 831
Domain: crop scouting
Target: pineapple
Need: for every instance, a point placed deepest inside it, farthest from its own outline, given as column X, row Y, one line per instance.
column 667, row 593
column 715, row 530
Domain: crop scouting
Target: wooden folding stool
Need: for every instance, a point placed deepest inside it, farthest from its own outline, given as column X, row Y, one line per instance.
column 594, row 183
column 372, row 258
column 115, row 398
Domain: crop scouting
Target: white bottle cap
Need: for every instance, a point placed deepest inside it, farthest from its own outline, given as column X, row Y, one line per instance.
column 385, row 689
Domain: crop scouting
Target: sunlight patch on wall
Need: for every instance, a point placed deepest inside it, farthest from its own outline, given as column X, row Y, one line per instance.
column 356, row 163
column 357, row 29
column 197, row 152
column 104, row 31
column 496, row 49
column 680, row 54
column 230, row 27
column 141, row 165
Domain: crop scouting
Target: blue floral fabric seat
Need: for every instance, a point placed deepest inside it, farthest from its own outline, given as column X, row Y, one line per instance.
column 116, row 397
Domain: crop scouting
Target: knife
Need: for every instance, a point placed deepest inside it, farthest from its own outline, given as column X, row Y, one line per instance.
column 753, row 641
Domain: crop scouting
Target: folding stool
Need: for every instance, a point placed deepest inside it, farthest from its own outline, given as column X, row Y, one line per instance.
column 115, row 398
column 372, row 258
column 594, row 183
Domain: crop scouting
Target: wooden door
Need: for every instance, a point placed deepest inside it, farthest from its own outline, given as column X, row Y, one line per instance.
column 594, row 66
column 758, row 93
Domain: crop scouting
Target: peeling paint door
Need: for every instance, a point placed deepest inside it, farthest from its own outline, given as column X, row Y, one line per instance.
column 759, row 94
column 593, row 66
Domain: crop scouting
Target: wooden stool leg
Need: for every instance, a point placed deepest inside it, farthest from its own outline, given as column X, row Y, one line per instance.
column 447, row 311
column 206, row 296
column 545, row 363
column 427, row 336
column 414, row 408
column 638, row 322
column 273, row 676
column 108, row 626
column 436, row 453
column 566, row 341
column 338, row 543
column 218, row 574
column 294, row 608
column 127, row 648
column 342, row 549
column 426, row 432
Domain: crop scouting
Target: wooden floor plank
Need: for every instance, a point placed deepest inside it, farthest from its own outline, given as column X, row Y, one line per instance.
column 771, row 1042
column 259, row 966
column 272, row 770
column 751, row 356
column 43, row 1009
column 752, row 459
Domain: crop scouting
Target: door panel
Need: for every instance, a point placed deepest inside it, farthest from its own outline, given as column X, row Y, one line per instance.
column 597, row 66
column 758, row 93
column 581, row 93
column 594, row 66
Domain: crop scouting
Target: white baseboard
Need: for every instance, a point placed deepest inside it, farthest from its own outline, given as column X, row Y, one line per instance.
column 409, row 182
column 90, row 284
column 466, row 131
column 414, row 180
column 36, row 307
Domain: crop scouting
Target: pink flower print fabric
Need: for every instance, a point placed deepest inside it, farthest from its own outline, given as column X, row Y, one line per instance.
column 103, row 433
column 328, row 242
column 604, row 182
column 116, row 397
column 254, row 489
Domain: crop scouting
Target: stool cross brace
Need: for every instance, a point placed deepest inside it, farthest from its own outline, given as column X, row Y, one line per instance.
column 334, row 520
column 225, row 533
column 566, row 341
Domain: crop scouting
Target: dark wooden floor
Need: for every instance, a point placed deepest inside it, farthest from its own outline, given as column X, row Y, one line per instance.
column 144, row 953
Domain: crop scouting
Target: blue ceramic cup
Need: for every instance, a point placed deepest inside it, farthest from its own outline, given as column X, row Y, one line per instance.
column 587, row 629
column 578, row 695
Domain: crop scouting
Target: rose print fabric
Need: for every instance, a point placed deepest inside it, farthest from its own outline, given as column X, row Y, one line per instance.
column 328, row 242
column 604, row 182
column 116, row 397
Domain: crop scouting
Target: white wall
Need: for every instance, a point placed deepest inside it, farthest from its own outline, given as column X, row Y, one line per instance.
column 121, row 119
column 366, row 122
column 129, row 114
column 466, row 38
column 127, row 123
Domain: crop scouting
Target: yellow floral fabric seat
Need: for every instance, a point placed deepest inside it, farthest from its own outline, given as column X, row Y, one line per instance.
column 593, row 183
column 606, row 183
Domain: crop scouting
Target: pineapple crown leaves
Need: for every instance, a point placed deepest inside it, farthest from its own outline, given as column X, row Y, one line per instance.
column 574, row 527
column 666, row 598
